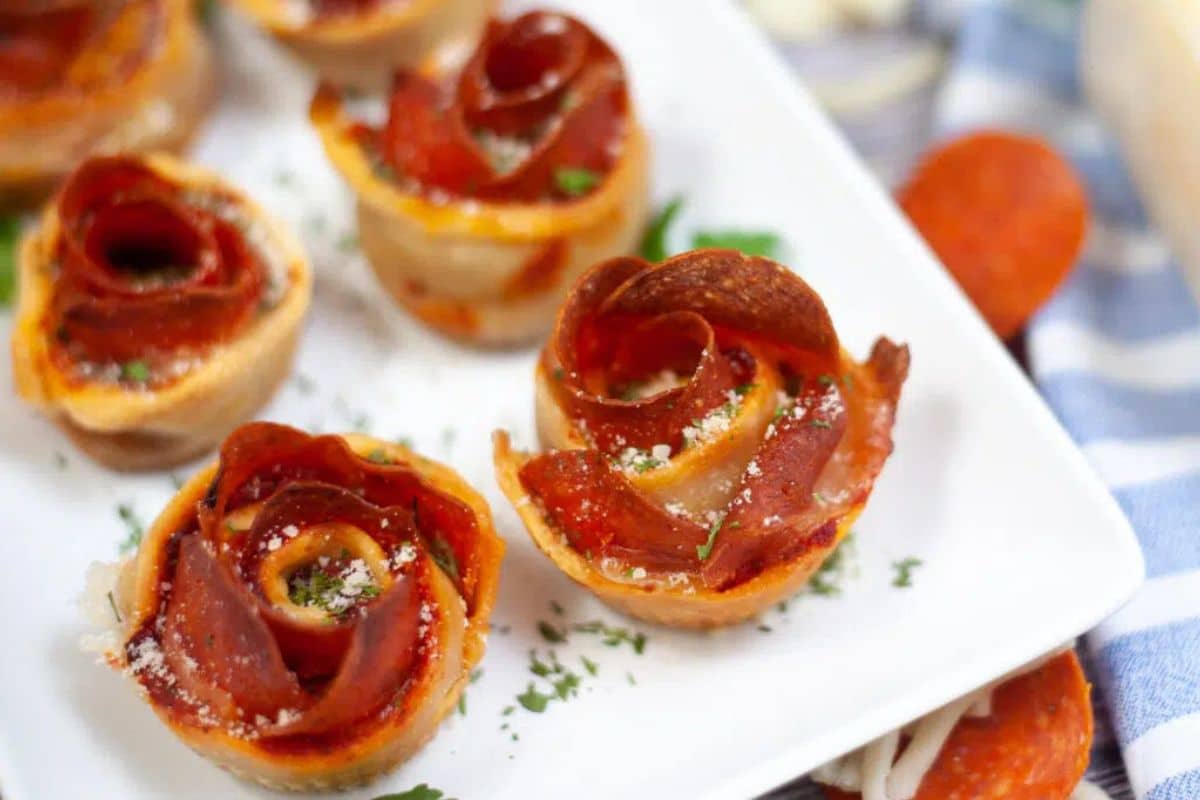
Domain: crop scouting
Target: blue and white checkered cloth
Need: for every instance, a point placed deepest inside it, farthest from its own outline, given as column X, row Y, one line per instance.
column 1117, row 356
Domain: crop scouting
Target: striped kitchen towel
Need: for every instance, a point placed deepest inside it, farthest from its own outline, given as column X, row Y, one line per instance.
column 1117, row 356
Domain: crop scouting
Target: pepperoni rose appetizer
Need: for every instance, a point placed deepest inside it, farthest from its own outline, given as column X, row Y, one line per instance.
column 358, row 43
column 489, row 189
column 158, row 309
column 87, row 76
column 306, row 611
column 707, row 442
column 1026, row 739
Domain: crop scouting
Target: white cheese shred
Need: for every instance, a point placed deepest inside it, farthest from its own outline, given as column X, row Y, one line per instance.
column 876, row 773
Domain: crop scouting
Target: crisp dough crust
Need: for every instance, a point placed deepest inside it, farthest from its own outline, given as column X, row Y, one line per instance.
column 456, row 265
column 160, row 105
column 131, row 429
column 360, row 51
column 699, row 608
column 434, row 691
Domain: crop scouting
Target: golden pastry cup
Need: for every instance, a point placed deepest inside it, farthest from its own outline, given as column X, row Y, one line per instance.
column 160, row 105
column 361, row 51
column 468, row 268
column 153, row 428
column 435, row 689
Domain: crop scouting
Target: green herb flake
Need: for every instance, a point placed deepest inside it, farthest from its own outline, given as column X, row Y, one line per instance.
column 476, row 674
column 443, row 555
column 135, row 371
column 462, row 704
column 613, row 636
column 559, row 374
column 829, row 576
column 825, row 380
column 745, row 389
column 703, row 551
column 550, row 633
column 575, row 181
column 508, row 710
column 764, row 628
column 10, row 235
column 567, row 686
column 533, row 700
column 591, row 666
column 629, row 677
column 421, row 791
column 904, row 570
column 134, row 527
column 60, row 461
column 539, row 667
column 556, row 608
column 752, row 243
column 654, row 242
column 378, row 456
column 820, row 423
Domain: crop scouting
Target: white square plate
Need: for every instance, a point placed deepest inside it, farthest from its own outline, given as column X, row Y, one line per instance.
column 1022, row 547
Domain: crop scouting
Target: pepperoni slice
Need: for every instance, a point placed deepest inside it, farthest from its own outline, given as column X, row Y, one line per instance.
column 1005, row 214
column 1033, row 746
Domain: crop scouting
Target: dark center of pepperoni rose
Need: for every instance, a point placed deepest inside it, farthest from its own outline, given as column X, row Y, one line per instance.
column 146, row 244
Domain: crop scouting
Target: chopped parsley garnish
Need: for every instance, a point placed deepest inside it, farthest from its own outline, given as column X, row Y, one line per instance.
column 904, row 570
column 820, row 423
column 752, row 243
column 133, row 525
column 829, row 576
column 421, row 791
column 378, row 456
column 613, row 637
column 704, row 550
column 629, row 677
column 558, row 373
column 556, row 608
column 825, row 380
column 405, row 441
column 533, row 700
column 334, row 588
column 764, row 628
column 135, row 371
column 654, row 242
column 575, row 181
column 819, row 498
column 10, row 234
column 567, row 686
column 462, row 704
column 550, row 633
column 591, row 666
column 476, row 674
column 443, row 555
column 745, row 389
